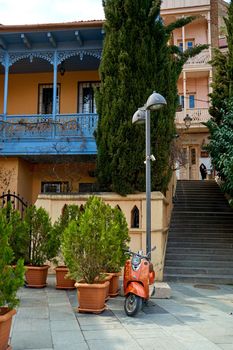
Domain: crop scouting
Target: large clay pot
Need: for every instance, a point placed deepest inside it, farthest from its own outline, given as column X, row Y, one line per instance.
column 5, row 327
column 36, row 276
column 114, row 284
column 63, row 282
column 91, row 297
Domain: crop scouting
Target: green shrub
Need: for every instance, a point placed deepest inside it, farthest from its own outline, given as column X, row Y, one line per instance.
column 70, row 212
column 93, row 242
column 39, row 229
column 11, row 277
column 19, row 239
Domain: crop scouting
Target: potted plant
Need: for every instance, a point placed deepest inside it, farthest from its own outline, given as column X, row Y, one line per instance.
column 84, row 247
column 11, row 278
column 69, row 212
column 116, row 241
column 41, row 247
column 19, row 239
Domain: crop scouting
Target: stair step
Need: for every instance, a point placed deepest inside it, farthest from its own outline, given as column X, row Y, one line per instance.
column 203, row 245
column 199, row 250
column 189, row 240
column 199, row 278
column 199, row 270
column 198, row 263
column 199, row 257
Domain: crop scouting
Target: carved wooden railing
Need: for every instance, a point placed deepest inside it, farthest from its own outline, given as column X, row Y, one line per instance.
column 198, row 115
column 45, row 127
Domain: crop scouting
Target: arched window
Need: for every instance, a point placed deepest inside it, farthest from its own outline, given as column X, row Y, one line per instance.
column 135, row 217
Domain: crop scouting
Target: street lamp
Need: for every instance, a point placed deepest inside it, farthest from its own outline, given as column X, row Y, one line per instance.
column 142, row 115
column 187, row 121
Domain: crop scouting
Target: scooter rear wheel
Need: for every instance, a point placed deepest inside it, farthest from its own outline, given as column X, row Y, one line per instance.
column 133, row 304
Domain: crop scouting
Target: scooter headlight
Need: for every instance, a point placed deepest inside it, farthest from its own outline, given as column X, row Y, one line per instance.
column 136, row 260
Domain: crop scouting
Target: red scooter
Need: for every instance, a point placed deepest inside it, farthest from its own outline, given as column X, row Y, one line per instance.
column 138, row 276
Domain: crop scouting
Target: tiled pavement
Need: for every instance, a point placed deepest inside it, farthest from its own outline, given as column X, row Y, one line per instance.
column 193, row 319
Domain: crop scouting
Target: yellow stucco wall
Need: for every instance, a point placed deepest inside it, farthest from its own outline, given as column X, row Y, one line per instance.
column 159, row 225
column 8, row 174
column 23, row 90
column 25, row 178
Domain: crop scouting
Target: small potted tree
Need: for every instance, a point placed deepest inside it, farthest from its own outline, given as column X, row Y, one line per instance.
column 116, row 241
column 11, row 278
column 41, row 247
column 84, row 247
column 69, row 212
column 19, row 239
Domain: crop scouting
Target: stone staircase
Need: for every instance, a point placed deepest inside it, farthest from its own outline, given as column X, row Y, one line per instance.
column 200, row 239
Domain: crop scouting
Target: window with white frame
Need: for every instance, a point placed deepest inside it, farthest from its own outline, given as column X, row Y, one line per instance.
column 189, row 43
column 86, row 98
column 190, row 99
column 45, row 100
column 54, row 187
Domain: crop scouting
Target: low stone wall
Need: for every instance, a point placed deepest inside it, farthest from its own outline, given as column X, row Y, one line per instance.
column 160, row 215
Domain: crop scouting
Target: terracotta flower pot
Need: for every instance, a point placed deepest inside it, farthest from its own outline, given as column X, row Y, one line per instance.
column 63, row 282
column 5, row 327
column 108, row 277
column 91, row 297
column 36, row 276
column 114, row 284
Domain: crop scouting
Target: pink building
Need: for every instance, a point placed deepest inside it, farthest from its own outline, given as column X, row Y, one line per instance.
column 195, row 80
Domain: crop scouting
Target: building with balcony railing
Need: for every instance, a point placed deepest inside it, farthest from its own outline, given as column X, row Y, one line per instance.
column 48, row 74
column 194, row 84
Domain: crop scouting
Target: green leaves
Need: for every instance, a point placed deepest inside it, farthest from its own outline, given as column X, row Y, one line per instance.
column 136, row 60
column 221, row 147
column 11, row 278
column 95, row 242
column 39, row 229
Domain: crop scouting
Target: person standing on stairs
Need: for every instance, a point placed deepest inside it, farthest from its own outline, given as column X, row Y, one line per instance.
column 203, row 171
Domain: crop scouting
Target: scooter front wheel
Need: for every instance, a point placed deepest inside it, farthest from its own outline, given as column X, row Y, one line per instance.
column 133, row 304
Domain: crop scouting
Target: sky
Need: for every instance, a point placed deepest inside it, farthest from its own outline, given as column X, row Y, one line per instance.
column 49, row 11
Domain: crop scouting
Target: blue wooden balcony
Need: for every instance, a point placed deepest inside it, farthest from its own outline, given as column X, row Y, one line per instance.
column 66, row 134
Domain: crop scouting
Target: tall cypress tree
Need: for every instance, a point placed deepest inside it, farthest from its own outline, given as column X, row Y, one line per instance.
column 136, row 61
column 223, row 73
column 221, row 125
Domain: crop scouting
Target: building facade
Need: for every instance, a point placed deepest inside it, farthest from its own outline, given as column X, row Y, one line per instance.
column 46, row 133
column 194, row 84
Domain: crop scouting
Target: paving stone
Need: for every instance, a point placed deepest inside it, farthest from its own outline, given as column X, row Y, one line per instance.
column 22, row 340
column 67, row 338
column 64, row 325
column 120, row 344
column 107, row 334
column 79, row 346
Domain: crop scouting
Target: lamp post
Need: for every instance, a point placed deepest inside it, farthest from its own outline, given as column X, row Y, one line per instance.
column 187, row 121
column 142, row 115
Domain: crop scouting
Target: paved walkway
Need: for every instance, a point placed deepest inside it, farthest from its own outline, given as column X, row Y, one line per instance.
column 193, row 319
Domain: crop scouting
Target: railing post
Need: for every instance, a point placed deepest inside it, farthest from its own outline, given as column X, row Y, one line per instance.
column 54, row 92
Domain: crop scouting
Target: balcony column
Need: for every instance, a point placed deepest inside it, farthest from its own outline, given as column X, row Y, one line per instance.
column 6, row 65
column 210, row 80
column 184, row 93
column 209, row 33
column 54, row 90
column 183, row 37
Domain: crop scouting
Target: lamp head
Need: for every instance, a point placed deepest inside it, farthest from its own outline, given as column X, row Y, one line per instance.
column 139, row 116
column 187, row 121
column 155, row 101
